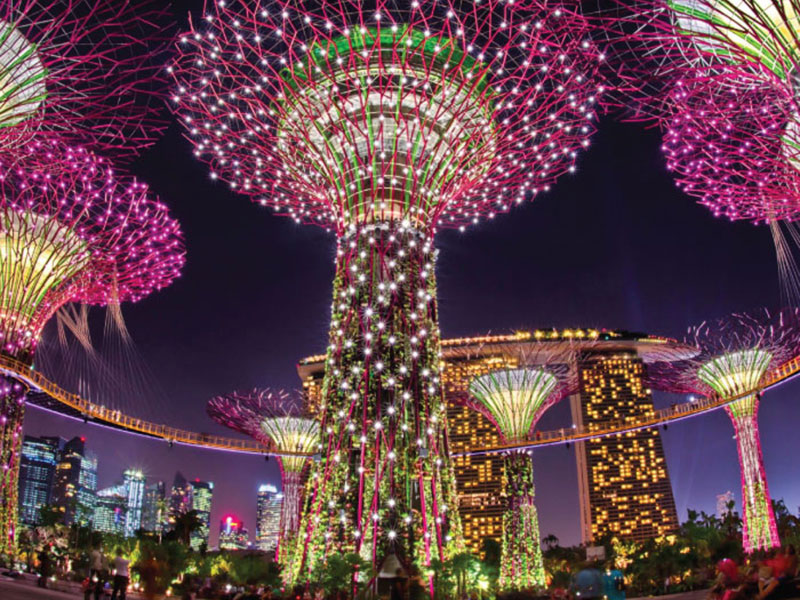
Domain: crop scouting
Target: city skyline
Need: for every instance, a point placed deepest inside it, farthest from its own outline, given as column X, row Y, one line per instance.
column 656, row 266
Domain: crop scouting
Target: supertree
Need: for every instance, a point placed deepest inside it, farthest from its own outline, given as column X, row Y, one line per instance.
column 735, row 354
column 272, row 418
column 721, row 78
column 71, row 230
column 90, row 70
column 385, row 121
column 514, row 400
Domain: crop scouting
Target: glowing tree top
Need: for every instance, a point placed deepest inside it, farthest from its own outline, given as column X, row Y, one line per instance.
column 515, row 399
column 268, row 416
column 430, row 112
column 89, row 69
column 721, row 75
column 737, row 351
column 73, row 230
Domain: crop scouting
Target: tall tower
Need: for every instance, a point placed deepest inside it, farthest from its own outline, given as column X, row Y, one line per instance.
column 268, row 517
column 133, row 482
column 623, row 482
column 153, row 509
column 111, row 510
column 202, row 493
column 75, row 482
column 36, row 472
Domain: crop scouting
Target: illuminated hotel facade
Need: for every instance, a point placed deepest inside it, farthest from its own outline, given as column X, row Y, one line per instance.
column 623, row 482
column 611, row 370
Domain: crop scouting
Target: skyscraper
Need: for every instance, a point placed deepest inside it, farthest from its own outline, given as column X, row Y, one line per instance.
column 153, row 509
column 75, row 482
column 202, row 493
column 36, row 472
column 133, row 483
column 624, row 486
column 232, row 534
column 111, row 510
column 268, row 517
column 180, row 498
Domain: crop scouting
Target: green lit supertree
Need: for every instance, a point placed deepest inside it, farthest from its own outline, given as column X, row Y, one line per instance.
column 514, row 400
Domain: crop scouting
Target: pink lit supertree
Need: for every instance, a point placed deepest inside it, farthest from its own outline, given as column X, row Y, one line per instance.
column 90, row 70
column 735, row 354
column 272, row 418
column 71, row 230
column 385, row 122
column 720, row 76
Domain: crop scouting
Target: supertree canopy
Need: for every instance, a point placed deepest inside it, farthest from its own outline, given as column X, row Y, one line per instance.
column 384, row 122
column 271, row 417
column 89, row 69
column 71, row 230
column 514, row 400
column 736, row 352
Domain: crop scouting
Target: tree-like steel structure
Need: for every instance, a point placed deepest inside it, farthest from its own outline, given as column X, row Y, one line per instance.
column 71, row 230
column 514, row 400
column 272, row 418
column 735, row 353
column 383, row 123
column 91, row 70
column 726, row 95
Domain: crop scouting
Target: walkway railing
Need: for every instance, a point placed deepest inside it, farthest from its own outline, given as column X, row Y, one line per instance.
column 116, row 418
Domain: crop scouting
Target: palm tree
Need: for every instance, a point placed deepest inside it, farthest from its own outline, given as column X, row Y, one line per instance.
column 186, row 524
column 550, row 540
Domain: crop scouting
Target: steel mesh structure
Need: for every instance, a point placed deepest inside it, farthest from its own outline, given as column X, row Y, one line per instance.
column 71, row 230
column 271, row 418
column 384, row 122
column 514, row 400
column 721, row 78
column 735, row 354
column 90, row 70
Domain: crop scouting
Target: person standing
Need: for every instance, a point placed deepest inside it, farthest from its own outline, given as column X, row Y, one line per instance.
column 45, row 564
column 121, row 576
column 97, row 568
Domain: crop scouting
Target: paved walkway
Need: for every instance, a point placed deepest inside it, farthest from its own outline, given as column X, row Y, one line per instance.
column 16, row 590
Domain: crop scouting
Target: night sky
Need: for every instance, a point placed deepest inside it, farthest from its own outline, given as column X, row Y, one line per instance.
column 615, row 245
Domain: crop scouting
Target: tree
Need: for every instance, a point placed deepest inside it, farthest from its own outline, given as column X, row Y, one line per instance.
column 186, row 524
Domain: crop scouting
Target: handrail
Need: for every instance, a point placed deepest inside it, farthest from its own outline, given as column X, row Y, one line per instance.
column 25, row 373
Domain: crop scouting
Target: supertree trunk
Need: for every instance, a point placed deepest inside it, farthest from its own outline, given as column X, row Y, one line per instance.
column 384, row 483
column 759, row 531
column 521, row 563
column 12, row 411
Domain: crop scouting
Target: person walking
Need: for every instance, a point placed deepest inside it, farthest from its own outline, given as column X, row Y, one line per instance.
column 97, row 569
column 45, row 566
column 121, row 576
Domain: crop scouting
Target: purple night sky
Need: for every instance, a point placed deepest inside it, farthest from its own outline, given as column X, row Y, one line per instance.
column 614, row 245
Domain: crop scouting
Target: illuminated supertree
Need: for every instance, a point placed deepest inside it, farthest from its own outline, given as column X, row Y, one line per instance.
column 514, row 400
column 269, row 417
column 90, row 70
column 384, row 123
column 721, row 78
column 736, row 353
column 71, row 230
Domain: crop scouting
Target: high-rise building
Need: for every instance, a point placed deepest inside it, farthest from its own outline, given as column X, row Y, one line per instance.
column 75, row 482
column 723, row 500
column 111, row 510
column 133, row 482
column 202, row 493
column 192, row 495
column 180, row 498
column 479, row 478
column 623, row 482
column 36, row 471
column 153, row 507
column 268, row 517
column 232, row 534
